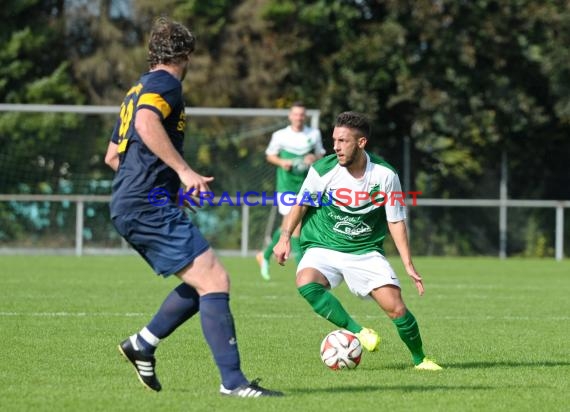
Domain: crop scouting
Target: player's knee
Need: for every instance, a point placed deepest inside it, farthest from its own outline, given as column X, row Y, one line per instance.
column 207, row 275
column 396, row 312
column 219, row 278
column 304, row 277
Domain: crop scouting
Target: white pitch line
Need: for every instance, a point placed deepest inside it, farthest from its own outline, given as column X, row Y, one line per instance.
column 116, row 314
column 263, row 315
column 505, row 317
column 72, row 314
column 476, row 318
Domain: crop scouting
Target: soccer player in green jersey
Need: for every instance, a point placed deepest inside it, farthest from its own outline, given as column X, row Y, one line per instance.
column 346, row 206
column 293, row 150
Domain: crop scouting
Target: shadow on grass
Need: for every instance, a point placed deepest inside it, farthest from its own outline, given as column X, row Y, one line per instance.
column 474, row 365
column 504, row 364
column 395, row 388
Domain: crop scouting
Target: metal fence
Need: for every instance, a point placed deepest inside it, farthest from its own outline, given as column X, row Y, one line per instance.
column 247, row 217
column 245, row 249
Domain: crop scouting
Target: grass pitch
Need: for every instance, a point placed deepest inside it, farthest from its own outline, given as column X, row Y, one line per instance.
column 499, row 328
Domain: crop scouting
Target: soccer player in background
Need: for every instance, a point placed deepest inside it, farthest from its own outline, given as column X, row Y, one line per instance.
column 293, row 150
column 148, row 139
column 342, row 237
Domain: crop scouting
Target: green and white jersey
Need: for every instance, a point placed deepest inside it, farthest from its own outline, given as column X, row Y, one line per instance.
column 347, row 214
column 288, row 144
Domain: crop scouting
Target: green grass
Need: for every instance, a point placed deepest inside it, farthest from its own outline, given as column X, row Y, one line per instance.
column 500, row 329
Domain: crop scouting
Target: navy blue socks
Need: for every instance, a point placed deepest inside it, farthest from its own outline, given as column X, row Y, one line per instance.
column 219, row 331
column 179, row 306
column 217, row 326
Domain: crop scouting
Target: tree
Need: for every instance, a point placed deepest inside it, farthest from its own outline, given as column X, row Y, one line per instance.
column 466, row 81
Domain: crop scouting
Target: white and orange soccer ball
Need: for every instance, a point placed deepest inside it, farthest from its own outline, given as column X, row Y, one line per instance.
column 341, row 349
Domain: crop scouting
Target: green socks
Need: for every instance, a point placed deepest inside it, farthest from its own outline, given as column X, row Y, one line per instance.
column 295, row 246
column 268, row 252
column 410, row 333
column 328, row 306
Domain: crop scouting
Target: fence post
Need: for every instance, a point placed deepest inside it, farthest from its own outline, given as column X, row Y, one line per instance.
column 559, row 236
column 79, row 228
column 503, row 193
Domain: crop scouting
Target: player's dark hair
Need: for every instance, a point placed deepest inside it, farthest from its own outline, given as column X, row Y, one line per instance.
column 170, row 42
column 298, row 103
column 356, row 121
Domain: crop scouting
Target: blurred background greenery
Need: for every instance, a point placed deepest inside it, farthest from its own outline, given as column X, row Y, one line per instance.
column 464, row 82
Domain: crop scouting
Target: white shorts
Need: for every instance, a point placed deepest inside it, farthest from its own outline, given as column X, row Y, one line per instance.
column 286, row 200
column 362, row 273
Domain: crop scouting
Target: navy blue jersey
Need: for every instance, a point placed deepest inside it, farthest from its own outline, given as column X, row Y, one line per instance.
column 140, row 171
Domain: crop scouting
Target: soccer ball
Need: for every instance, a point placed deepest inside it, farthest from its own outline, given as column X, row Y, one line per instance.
column 341, row 349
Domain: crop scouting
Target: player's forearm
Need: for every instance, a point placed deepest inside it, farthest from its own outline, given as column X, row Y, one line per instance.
column 275, row 160
column 112, row 157
column 154, row 136
column 400, row 236
column 113, row 164
column 293, row 219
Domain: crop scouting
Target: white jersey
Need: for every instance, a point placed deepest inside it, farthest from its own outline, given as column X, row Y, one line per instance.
column 288, row 144
column 347, row 214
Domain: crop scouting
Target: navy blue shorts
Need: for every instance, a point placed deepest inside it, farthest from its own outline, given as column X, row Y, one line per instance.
column 164, row 236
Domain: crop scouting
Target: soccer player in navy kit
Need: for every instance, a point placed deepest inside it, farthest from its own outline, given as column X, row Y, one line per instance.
column 148, row 139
